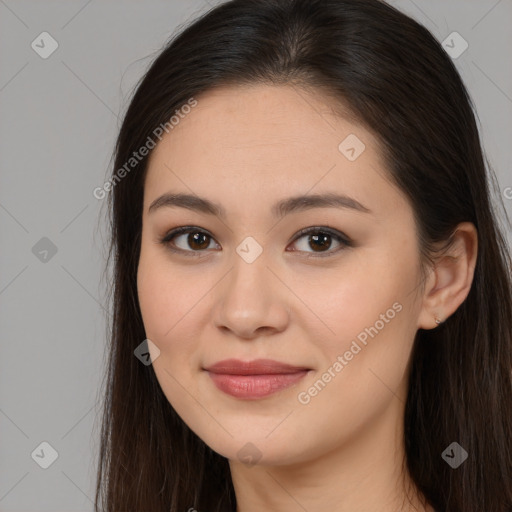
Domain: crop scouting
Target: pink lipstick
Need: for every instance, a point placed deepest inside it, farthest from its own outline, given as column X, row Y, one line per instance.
column 254, row 379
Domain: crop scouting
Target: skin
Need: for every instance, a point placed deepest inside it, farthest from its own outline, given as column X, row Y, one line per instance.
column 246, row 148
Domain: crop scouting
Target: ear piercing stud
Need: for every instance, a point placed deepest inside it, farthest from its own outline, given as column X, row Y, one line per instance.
column 437, row 320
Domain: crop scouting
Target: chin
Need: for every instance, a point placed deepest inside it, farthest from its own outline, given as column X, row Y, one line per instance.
column 257, row 450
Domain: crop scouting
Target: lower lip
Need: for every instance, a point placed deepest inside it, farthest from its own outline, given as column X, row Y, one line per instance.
column 255, row 386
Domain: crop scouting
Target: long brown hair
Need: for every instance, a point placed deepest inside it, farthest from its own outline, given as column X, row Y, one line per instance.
column 397, row 80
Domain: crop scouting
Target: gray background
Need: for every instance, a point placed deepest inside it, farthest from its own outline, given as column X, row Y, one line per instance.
column 58, row 122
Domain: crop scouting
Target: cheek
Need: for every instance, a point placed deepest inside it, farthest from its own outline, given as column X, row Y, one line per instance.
column 341, row 301
column 367, row 303
column 170, row 307
column 164, row 314
column 163, row 310
column 155, row 303
column 174, row 312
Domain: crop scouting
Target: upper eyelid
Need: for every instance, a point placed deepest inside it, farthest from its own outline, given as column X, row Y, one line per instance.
column 335, row 233
column 183, row 230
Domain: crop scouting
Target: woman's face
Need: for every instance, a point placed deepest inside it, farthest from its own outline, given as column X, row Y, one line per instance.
column 245, row 285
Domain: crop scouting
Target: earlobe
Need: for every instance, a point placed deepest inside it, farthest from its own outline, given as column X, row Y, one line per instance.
column 451, row 278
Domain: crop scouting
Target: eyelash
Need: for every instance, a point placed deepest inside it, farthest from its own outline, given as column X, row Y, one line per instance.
column 338, row 236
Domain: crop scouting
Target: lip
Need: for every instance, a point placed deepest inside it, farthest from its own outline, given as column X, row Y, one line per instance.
column 256, row 379
column 255, row 367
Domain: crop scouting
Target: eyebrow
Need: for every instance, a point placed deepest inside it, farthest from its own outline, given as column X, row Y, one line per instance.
column 280, row 209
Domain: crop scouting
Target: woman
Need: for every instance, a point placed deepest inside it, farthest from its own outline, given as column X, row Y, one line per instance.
column 306, row 252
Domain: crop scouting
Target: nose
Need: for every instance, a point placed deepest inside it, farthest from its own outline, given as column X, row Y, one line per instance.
column 251, row 301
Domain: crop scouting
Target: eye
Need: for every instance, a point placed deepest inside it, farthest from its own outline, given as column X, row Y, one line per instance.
column 196, row 241
column 320, row 240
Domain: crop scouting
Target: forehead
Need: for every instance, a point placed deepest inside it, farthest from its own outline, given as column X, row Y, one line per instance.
column 264, row 141
column 242, row 119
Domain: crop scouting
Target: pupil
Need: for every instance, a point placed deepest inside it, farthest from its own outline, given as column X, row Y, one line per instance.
column 193, row 240
column 323, row 239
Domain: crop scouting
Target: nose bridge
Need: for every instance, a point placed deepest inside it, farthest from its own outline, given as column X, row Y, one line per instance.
column 249, row 298
column 248, row 285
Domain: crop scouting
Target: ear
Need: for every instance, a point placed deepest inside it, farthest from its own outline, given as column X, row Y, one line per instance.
column 449, row 282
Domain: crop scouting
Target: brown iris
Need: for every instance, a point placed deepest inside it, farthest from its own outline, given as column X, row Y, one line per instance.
column 323, row 239
column 198, row 240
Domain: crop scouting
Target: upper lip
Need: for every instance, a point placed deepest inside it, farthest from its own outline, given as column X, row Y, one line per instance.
column 255, row 367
